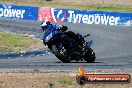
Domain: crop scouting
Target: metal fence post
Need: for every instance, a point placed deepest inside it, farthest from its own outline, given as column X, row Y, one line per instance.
column 82, row 2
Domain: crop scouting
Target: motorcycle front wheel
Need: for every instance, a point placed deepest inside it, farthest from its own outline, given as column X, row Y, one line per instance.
column 64, row 58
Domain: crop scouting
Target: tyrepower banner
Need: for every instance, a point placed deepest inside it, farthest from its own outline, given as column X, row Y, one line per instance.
column 65, row 15
column 84, row 16
column 18, row 12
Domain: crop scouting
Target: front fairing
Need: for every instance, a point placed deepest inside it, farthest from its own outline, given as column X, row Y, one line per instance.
column 48, row 34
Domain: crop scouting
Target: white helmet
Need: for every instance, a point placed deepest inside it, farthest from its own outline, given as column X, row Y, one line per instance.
column 45, row 24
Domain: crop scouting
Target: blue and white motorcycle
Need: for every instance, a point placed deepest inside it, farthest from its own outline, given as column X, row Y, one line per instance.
column 66, row 48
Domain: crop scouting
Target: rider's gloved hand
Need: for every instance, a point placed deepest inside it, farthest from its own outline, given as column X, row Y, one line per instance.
column 63, row 28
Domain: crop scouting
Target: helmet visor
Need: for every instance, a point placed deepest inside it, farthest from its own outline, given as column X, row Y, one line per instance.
column 44, row 27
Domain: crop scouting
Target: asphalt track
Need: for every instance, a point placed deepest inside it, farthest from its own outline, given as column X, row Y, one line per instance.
column 112, row 45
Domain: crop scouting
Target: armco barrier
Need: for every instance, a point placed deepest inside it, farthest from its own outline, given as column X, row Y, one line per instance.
column 18, row 12
column 65, row 15
column 84, row 16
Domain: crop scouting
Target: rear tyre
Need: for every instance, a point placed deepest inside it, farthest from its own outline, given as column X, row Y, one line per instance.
column 89, row 56
column 64, row 58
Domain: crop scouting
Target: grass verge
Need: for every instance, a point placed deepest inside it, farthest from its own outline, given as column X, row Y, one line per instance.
column 66, row 82
column 10, row 42
column 55, row 4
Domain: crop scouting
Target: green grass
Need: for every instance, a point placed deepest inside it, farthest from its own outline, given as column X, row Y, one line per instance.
column 66, row 82
column 55, row 4
column 15, row 43
column 50, row 85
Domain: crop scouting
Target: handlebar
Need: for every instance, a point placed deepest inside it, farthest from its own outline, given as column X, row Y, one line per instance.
column 86, row 35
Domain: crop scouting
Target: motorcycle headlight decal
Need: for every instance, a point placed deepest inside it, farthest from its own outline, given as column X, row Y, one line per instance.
column 48, row 37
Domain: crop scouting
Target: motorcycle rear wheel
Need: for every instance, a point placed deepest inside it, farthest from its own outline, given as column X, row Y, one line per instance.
column 89, row 56
column 63, row 58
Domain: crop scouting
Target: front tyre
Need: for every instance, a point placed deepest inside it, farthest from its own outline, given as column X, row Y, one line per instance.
column 89, row 55
column 62, row 57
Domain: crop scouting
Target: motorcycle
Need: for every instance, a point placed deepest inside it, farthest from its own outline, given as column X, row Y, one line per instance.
column 66, row 48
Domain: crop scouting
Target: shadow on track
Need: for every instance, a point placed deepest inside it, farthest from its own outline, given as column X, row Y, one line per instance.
column 80, row 62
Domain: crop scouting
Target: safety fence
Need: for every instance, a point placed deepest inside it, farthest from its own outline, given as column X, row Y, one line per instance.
column 124, row 3
column 65, row 15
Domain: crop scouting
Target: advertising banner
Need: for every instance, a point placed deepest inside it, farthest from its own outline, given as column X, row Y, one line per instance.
column 18, row 12
column 45, row 13
column 85, row 16
column 65, row 15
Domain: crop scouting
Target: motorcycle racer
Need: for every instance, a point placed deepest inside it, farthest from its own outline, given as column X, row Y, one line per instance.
column 47, row 25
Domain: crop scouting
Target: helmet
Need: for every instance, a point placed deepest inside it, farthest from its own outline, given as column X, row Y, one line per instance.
column 45, row 24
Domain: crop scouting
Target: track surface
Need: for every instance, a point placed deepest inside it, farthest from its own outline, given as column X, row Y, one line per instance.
column 112, row 45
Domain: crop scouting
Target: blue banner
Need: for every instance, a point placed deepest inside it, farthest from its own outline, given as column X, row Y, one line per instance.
column 65, row 15
column 91, row 17
column 18, row 12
